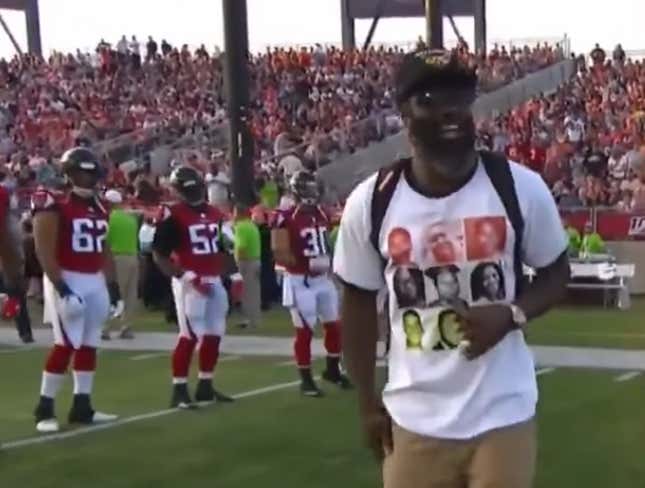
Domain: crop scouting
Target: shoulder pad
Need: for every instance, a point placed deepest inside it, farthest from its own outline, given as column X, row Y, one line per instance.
column 164, row 212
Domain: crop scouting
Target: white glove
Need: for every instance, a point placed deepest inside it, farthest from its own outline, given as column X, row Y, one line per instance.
column 117, row 310
column 72, row 308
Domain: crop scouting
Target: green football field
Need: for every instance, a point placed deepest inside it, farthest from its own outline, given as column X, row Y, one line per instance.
column 591, row 423
column 567, row 326
column 592, row 432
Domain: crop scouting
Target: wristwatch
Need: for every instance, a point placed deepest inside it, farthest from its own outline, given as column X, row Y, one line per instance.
column 518, row 316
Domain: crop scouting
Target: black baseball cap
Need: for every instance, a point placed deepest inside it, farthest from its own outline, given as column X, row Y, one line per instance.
column 428, row 69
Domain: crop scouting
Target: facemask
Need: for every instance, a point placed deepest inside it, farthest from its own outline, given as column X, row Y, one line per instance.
column 83, row 192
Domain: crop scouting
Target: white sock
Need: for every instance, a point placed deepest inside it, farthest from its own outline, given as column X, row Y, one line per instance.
column 204, row 375
column 179, row 381
column 50, row 384
column 83, row 382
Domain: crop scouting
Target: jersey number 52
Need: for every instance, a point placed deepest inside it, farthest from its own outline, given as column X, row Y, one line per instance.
column 204, row 238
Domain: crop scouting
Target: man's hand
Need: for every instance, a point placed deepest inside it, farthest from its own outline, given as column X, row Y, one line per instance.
column 377, row 427
column 483, row 327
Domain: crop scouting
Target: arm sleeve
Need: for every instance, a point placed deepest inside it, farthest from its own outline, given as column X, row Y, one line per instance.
column 166, row 238
column 356, row 262
column 545, row 237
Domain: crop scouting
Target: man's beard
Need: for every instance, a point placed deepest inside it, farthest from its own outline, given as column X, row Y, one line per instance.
column 449, row 155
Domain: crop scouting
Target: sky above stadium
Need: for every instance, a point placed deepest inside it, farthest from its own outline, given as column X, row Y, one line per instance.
column 68, row 24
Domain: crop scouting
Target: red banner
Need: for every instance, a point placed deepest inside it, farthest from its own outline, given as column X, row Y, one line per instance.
column 617, row 226
column 610, row 224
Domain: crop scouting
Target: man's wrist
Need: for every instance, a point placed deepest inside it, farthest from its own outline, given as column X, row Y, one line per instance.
column 518, row 317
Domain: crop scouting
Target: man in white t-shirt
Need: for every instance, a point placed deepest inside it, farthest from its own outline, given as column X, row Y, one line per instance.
column 459, row 404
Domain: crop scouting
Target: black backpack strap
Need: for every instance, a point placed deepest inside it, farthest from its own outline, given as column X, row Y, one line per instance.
column 384, row 188
column 499, row 171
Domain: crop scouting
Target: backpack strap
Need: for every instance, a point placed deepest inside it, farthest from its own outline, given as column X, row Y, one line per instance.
column 384, row 188
column 498, row 170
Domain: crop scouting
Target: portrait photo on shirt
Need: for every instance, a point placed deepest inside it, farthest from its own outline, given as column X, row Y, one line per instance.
column 443, row 243
column 413, row 329
column 487, row 282
column 446, row 283
column 409, row 287
column 485, row 237
column 399, row 246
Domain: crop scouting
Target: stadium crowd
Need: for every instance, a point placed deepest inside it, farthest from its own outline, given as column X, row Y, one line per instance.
column 127, row 98
column 587, row 138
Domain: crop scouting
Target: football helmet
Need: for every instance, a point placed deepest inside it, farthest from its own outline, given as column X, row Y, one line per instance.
column 305, row 187
column 189, row 185
column 82, row 169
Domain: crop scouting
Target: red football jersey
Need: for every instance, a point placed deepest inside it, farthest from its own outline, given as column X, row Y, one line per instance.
column 82, row 229
column 193, row 236
column 309, row 229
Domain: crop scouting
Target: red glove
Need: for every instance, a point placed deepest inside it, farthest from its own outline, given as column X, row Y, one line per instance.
column 10, row 308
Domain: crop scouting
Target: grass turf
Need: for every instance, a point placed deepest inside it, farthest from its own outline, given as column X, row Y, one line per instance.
column 591, row 432
column 564, row 326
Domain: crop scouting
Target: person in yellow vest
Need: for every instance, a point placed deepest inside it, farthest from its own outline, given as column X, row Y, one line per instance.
column 123, row 238
column 592, row 243
column 247, row 250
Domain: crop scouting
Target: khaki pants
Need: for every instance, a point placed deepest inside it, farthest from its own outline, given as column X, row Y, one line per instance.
column 502, row 458
column 252, row 294
column 127, row 272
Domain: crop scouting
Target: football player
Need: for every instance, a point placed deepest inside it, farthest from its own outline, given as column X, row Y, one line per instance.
column 300, row 242
column 191, row 232
column 79, row 284
column 12, row 265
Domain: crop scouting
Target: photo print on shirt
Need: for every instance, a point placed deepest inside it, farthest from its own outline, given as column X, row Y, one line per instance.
column 485, row 237
column 487, row 283
column 409, row 287
column 443, row 243
column 447, row 285
column 399, row 246
column 413, row 329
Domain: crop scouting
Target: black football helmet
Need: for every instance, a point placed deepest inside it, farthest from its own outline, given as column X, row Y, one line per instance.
column 189, row 185
column 305, row 187
column 82, row 168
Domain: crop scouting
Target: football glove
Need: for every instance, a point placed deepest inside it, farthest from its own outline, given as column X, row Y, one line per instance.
column 71, row 305
column 202, row 287
column 10, row 308
column 72, row 308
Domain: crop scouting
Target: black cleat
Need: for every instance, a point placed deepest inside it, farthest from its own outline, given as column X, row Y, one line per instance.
column 27, row 338
column 205, row 391
column 308, row 386
column 338, row 379
column 83, row 413
column 45, row 417
column 310, row 389
column 181, row 397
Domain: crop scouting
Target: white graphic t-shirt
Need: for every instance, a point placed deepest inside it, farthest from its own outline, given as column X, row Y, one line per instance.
column 444, row 253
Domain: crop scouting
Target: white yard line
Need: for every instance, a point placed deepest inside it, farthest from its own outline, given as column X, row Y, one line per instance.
column 543, row 371
column 627, row 376
column 17, row 350
column 143, row 357
column 129, row 420
column 286, row 363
